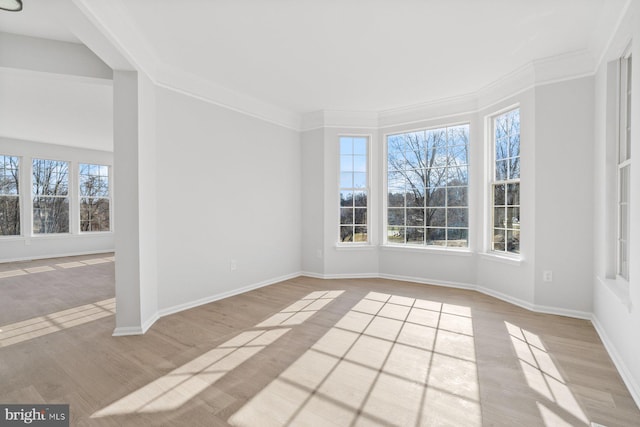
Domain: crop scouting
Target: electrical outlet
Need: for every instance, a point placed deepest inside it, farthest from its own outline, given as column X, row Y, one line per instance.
column 233, row 265
column 319, row 253
column 547, row 276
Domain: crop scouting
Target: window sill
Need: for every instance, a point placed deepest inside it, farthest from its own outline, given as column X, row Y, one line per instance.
column 620, row 288
column 505, row 259
column 71, row 235
column 424, row 249
column 355, row 246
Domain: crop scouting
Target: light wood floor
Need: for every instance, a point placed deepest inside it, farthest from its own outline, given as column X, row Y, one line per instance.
column 301, row 352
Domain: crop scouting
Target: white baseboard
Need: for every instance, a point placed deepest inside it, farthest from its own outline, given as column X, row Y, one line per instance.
column 127, row 331
column 206, row 300
column 630, row 382
column 460, row 285
column 64, row 255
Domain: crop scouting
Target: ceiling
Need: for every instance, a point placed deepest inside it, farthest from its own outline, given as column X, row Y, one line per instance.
column 310, row 55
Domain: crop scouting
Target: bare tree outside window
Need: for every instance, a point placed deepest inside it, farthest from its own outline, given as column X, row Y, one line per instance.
column 9, row 196
column 428, row 185
column 50, row 196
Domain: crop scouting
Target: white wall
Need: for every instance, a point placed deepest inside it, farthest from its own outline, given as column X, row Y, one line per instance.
column 228, row 190
column 616, row 303
column 54, row 92
column 28, row 246
column 312, row 199
column 564, row 194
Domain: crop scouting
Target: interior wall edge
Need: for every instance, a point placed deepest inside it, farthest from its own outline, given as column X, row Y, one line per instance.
column 618, row 361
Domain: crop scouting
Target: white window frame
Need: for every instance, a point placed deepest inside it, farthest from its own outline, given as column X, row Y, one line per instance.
column 492, row 181
column 18, row 196
column 385, row 216
column 81, row 197
column 366, row 189
column 623, row 171
column 68, row 197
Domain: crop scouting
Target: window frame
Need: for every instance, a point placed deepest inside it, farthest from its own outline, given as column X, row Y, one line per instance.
column 68, row 197
column 81, row 197
column 385, row 205
column 366, row 190
column 18, row 195
column 492, row 182
column 623, row 165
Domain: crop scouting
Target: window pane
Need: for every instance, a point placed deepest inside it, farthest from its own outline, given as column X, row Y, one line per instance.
column 415, row 236
column 395, row 216
column 346, row 198
column 360, row 216
column 346, row 180
column 360, row 199
column 346, row 163
column 360, row 234
column 94, row 214
column 513, row 241
column 457, row 175
column 50, row 215
column 436, row 217
column 436, row 236
column 502, row 170
column 9, row 175
column 346, row 234
column 458, row 237
column 360, row 146
column 499, row 217
column 396, row 199
column 9, row 216
column 502, row 148
column 514, row 145
column 498, row 194
column 499, row 237
column 458, row 155
column 359, row 163
column 395, row 234
column 514, row 168
column 50, row 178
column 457, row 196
column 346, row 146
column 513, row 194
column 346, row 216
column 436, row 197
column 457, row 217
column 415, row 217
column 359, row 180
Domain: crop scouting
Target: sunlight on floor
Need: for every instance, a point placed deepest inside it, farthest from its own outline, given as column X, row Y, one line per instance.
column 390, row 360
column 182, row 384
column 557, row 404
column 45, row 268
column 43, row 325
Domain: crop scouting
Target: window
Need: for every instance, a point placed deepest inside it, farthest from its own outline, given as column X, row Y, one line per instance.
column 50, row 196
column 9, row 196
column 505, row 185
column 624, row 167
column 427, row 187
column 94, row 197
column 353, row 189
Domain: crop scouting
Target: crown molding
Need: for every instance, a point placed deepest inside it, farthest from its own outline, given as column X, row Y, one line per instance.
column 112, row 19
column 549, row 70
column 189, row 84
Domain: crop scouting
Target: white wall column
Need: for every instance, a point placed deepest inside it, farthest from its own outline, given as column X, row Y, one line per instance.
column 134, row 202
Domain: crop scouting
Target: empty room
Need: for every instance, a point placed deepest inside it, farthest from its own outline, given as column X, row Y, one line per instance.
column 319, row 213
